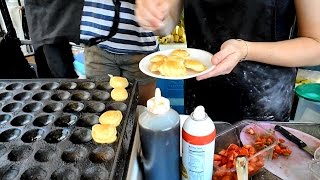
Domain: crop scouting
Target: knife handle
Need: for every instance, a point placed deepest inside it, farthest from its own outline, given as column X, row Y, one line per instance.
column 290, row 136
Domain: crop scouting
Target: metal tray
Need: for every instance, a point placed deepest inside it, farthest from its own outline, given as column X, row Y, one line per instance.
column 45, row 129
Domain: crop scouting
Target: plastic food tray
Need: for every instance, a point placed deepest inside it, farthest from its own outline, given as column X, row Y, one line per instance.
column 236, row 134
column 45, row 130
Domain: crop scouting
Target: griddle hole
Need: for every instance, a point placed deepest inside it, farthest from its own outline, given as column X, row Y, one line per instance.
column 34, row 173
column 41, row 96
column 12, row 107
column 101, row 154
column 44, row 155
column 32, row 135
column 65, row 173
column 22, row 96
column 118, row 106
column 32, row 107
column 21, row 120
column 43, row 120
column 3, row 150
column 81, row 136
column 66, row 120
column 57, row 136
column 74, row 154
column 88, row 120
column 31, row 86
column 100, row 96
column 9, row 172
column 5, row 96
column 80, row 96
column 104, row 86
column 20, row 153
column 95, row 173
column 4, row 118
column 50, row 86
column 53, row 107
column 14, row 86
column 68, row 86
column 72, row 107
column 10, row 135
column 60, row 96
column 86, row 85
column 95, row 107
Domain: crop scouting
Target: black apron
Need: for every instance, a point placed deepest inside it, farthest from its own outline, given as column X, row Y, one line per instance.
column 52, row 21
column 252, row 90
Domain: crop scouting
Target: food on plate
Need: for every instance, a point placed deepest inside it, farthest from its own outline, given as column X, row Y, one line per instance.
column 118, row 82
column 180, row 53
column 155, row 66
column 111, row 117
column 176, row 64
column 158, row 58
column 262, row 141
column 102, row 133
column 194, row 65
column 172, row 68
column 224, row 161
column 119, row 94
column 176, row 58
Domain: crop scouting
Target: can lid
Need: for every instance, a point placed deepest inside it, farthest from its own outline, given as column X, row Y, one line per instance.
column 309, row 91
column 199, row 113
column 158, row 104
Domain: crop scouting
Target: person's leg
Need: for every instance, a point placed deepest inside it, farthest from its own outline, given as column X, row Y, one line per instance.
column 60, row 59
column 130, row 70
column 43, row 70
column 99, row 63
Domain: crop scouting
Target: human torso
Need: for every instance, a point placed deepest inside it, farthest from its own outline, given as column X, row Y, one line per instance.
column 130, row 38
column 52, row 20
column 252, row 90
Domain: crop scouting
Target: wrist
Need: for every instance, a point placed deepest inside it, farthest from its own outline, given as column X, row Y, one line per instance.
column 245, row 50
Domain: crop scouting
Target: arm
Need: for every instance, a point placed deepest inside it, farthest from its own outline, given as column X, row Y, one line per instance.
column 160, row 16
column 301, row 51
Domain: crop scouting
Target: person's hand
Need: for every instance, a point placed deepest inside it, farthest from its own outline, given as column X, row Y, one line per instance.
column 230, row 54
column 151, row 14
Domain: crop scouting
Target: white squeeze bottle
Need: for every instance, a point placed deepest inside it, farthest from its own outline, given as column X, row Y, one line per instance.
column 198, row 142
column 159, row 129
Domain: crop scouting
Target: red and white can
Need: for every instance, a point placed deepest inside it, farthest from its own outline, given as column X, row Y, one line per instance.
column 198, row 142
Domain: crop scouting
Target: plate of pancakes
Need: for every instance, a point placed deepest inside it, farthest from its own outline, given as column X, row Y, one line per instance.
column 177, row 64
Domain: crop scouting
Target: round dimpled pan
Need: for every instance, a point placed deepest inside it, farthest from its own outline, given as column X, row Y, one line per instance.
column 45, row 130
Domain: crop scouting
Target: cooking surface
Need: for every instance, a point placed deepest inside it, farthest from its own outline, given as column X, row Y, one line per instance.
column 45, row 130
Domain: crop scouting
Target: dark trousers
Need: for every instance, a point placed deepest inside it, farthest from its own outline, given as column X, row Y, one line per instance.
column 55, row 61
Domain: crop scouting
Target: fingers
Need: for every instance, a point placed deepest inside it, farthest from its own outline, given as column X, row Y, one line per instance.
column 221, row 55
column 225, row 67
column 150, row 14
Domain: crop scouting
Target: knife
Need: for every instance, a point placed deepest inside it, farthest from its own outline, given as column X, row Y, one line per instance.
column 302, row 145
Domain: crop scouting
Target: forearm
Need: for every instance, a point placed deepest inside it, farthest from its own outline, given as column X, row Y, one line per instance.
column 172, row 19
column 297, row 52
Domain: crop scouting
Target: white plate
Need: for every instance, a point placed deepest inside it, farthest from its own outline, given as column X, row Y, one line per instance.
column 203, row 56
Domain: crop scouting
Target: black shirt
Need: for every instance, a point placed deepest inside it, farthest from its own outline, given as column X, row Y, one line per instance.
column 252, row 90
column 50, row 21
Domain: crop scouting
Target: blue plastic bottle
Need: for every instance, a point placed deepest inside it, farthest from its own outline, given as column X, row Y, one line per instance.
column 159, row 129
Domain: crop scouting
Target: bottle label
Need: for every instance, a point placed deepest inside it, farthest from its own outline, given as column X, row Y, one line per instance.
column 197, row 156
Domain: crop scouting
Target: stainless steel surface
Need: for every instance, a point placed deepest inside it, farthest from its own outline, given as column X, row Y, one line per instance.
column 310, row 128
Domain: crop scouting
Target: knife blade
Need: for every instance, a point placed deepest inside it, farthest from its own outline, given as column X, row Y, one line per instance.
column 302, row 145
